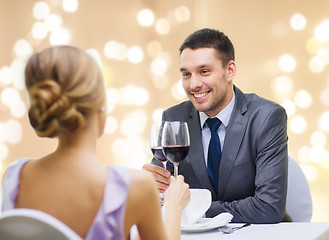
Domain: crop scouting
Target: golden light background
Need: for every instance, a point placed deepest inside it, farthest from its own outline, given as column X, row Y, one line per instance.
column 282, row 53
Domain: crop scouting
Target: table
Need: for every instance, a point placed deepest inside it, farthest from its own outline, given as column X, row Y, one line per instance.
column 280, row 231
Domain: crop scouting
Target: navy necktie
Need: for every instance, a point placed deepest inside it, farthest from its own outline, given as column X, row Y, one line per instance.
column 214, row 151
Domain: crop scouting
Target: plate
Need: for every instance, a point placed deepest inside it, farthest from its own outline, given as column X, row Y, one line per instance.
column 207, row 224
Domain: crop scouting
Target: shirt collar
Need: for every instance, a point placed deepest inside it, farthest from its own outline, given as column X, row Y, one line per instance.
column 223, row 116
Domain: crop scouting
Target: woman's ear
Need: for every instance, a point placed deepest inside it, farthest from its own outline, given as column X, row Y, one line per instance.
column 101, row 120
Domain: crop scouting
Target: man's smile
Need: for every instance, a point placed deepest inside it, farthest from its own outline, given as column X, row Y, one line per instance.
column 200, row 96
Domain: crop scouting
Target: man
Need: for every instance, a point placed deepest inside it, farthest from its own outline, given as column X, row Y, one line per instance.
column 248, row 177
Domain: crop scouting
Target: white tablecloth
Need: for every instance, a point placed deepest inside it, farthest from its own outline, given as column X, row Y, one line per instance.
column 281, row 231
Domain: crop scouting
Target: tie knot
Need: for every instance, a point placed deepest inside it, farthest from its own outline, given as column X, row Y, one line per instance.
column 213, row 124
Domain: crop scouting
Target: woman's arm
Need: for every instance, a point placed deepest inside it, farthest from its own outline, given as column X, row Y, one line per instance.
column 144, row 207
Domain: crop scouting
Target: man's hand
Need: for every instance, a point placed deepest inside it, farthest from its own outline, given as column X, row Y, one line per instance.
column 161, row 175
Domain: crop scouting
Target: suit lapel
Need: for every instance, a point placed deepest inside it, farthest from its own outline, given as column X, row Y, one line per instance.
column 195, row 155
column 233, row 138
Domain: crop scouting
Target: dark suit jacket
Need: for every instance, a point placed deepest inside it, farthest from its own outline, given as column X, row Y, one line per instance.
column 254, row 164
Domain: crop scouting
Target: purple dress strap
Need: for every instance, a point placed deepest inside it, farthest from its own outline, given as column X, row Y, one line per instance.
column 109, row 221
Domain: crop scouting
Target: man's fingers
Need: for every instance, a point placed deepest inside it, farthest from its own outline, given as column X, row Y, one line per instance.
column 156, row 169
column 161, row 175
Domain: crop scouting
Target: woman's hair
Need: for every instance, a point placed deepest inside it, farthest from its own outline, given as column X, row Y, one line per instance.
column 65, row 86
column 210, row 38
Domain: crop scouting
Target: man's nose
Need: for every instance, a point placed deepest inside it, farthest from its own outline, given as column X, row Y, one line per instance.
column 195, row 82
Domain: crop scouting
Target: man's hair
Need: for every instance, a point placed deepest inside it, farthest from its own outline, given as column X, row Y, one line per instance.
column 210, row 38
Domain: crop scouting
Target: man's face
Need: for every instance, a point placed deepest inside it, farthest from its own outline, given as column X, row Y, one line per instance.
column 206, row 82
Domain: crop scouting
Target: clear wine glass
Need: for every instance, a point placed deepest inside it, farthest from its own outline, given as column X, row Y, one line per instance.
column 175, row 142
column 156, row 147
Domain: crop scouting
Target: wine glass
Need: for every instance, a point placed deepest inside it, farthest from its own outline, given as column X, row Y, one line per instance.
column 175, row 142
column 156, row 148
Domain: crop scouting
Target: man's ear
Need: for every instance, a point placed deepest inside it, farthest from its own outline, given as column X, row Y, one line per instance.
column 231, row 70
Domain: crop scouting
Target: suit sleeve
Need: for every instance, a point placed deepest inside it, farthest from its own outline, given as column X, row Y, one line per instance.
column 267, row 205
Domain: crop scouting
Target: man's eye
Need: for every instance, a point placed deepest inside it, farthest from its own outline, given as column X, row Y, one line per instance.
column 185, row 75
column 205, row 71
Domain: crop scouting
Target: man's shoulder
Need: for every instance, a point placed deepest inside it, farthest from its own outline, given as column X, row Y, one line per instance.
column 184, row 107
column 255, row 101
column 179, row 111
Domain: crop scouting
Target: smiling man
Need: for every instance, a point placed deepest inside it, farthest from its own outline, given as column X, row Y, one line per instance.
column 238, row 141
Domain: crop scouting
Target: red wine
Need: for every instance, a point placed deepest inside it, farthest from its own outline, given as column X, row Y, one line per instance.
column 158, row 154
column 176, row 153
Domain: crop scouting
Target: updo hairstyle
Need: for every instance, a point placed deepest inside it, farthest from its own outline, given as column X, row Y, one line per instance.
column 65, row 86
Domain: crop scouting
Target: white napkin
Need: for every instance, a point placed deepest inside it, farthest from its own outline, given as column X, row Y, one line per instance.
column 199, row 203
column 209, row 223
column 192, row 216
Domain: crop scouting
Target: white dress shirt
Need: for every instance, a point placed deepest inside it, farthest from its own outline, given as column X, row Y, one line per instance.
column 224, row 117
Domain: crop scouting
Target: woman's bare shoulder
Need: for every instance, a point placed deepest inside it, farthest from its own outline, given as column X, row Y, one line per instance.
column 141, row 178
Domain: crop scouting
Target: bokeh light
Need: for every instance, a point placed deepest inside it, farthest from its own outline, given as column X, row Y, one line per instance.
column 135, row 54
column 313, row 46
column 303, row 99
column 145, row 18
column 39, row 30
column 289, row 106
column 318, row 154
column 182, row 14
column 134, row 122
column 159, row 66
column 70, row 5
column 325, row 96
column 111, row 125
column 178, row 91
column 310, row 171
column 60, row 36
column 133, row 95
column 316, row 64
column 115, row 50
column 304, row 154
column 6, row 75
column 18, row 109
column 321, row 32
column 9, row 96
column 318, row 138
column 23, row 48
column 13, row 131
column 53, row 22
column 3, row 152
column 298, row 124
column 287, row 63
column 283, row 86
column 163, row 26
column 40, row 10
column 298, row 22
column 323, row 122
column 157, row 115
column 154, row 48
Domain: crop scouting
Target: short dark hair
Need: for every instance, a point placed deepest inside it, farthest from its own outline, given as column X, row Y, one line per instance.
column 210, row 38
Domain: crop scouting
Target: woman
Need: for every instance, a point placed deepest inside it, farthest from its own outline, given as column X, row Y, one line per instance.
column 98, row 201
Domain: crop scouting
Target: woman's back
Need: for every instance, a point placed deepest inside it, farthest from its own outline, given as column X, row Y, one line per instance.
column 67, row 190
column 98, row 213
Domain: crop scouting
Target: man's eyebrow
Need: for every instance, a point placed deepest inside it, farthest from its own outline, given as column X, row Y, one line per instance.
column 199, row 67
column 203, row 66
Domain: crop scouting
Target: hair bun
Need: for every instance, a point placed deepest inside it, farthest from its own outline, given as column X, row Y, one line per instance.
column 50, row 110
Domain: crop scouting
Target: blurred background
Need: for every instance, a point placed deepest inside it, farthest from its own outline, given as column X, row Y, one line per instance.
column 282, row 53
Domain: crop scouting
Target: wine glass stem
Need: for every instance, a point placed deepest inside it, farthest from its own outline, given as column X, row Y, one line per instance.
column 164, row 164
column 176, row 169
